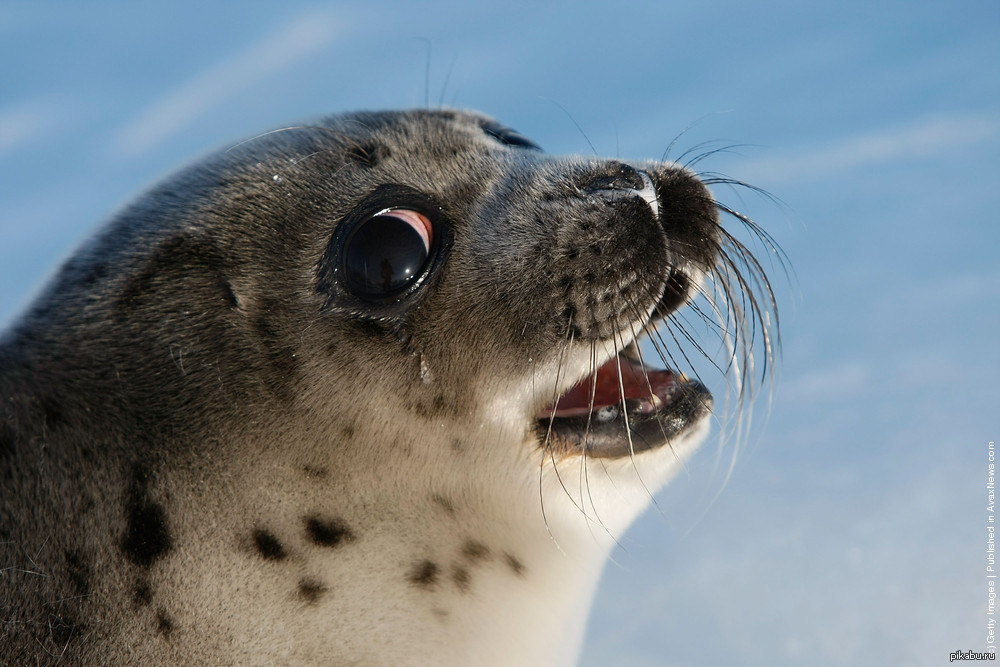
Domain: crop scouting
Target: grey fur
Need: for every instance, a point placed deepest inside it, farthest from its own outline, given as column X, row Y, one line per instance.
column 205, row 444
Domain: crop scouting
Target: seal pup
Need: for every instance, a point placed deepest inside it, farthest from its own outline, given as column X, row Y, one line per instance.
column 363, row 392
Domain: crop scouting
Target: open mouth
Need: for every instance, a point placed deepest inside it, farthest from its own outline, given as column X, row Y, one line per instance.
column 623, row 408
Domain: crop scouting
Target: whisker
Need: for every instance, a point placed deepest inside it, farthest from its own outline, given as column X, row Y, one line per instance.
column 270, row 132
column 575, row 124
column 447, row 78
column 729, row 148
column 546, row 444
column 649, row 387
column 616, row 333
column 586, row 433
column 427, row 71
column 678, row 137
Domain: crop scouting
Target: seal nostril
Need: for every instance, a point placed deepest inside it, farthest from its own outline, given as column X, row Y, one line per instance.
column 622, row 177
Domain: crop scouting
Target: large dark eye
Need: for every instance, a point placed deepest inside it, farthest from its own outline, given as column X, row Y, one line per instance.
column 387, row 253
column 384, row 254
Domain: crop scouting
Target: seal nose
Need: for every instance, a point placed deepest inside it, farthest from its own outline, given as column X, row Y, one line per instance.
column 621, row 177
column 620, row 181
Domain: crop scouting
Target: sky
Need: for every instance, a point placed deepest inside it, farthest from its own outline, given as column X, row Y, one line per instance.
column 852, row 527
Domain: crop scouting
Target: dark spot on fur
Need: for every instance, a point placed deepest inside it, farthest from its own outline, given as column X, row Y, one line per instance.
column 164, row 624
column 424, row 574
column 146, row 534
column 440, row 614
column 347, row 432
column 316, row 472
column 79, row 572
column 429, row 407
column 268, row 545
column 310, row 590
column 63, row 629
column 444, row 503
column 142, row 595
column 474, row 551
column 460, row 575
column 457, row 445
column 328, row 532
column 515, row 564
column 147, row 537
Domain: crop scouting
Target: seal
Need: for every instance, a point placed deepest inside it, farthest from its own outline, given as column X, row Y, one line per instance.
column 365, row 391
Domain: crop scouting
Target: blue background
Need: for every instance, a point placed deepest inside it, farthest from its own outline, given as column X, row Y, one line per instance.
column 852, row 529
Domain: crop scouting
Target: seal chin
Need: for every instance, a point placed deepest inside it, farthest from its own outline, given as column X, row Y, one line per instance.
column 621, row 409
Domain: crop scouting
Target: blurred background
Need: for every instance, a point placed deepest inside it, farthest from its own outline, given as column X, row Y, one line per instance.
column 852, row 530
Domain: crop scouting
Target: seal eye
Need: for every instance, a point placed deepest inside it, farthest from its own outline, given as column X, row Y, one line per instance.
column 384, row 254
column 387, row 253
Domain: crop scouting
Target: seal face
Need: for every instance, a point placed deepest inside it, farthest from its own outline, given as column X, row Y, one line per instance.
column 364, row 391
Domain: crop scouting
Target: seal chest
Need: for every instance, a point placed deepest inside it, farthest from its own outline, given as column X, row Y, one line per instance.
column 361, row 392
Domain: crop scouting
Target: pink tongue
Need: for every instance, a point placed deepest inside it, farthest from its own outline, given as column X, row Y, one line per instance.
column 636, row 382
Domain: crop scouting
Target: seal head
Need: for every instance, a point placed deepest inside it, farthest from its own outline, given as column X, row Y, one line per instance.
column 361, row 391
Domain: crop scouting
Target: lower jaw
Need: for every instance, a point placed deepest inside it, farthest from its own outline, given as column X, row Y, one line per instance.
column 622, row 410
